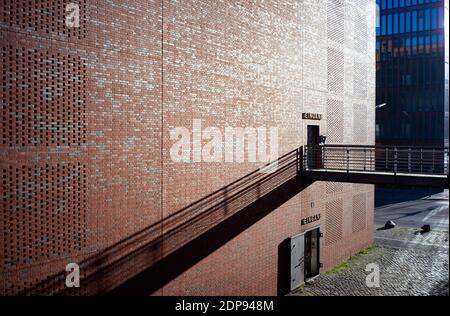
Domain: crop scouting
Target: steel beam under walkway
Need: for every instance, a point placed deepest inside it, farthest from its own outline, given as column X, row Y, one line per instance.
column 399, row 179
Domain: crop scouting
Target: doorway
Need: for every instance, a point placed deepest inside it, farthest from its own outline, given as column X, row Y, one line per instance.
column 305, row 257
column 314, row 153
column 312, row 254
column 313, row 135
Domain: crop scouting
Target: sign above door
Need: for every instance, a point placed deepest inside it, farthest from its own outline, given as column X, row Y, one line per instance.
column 312, row 116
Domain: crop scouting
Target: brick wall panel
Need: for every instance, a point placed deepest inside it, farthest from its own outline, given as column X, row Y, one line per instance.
column 238, row 63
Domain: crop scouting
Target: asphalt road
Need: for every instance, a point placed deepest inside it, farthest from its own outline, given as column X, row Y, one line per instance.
column 432, row 210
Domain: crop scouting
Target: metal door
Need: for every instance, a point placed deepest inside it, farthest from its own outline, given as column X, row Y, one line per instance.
column 314, row 152
column 312, row 268
column 297, row 261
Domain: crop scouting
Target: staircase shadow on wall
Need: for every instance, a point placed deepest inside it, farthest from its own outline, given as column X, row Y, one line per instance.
column 187, row 256
column 146, row 261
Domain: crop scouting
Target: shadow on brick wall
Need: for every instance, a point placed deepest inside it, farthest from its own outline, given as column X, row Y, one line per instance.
column 146, row 261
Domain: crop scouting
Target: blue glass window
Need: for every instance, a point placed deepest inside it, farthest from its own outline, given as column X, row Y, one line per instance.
column 402, row 23
column 427, row 19
column 414, row 21
column 441, row 18
column 433, row 19
column 408, row 22
column 395, row 17
column 389, row 24
column 421, row 20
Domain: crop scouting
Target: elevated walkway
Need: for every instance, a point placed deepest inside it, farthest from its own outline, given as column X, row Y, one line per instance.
column 402, row 166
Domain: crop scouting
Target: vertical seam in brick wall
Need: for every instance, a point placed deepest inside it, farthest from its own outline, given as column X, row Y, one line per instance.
column 162, row 133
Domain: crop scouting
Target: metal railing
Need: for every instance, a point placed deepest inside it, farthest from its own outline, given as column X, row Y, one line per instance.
column 387, row 159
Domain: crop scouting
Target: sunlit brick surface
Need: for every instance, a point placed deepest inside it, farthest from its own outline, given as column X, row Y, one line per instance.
column 86, row 116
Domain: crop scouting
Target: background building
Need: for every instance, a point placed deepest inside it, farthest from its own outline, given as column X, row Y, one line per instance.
column 412, row 73
column 86, row 117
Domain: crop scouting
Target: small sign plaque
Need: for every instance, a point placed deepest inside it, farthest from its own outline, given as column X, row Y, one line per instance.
column 310, row 219
column 312, row 116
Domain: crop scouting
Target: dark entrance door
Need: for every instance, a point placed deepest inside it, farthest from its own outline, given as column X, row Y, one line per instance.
column 312, row 253
column 314, row 153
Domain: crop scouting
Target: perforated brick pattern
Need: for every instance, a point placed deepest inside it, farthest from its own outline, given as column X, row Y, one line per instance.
column 360, row 79
column 335, row 70
column 360, row 124
column 44, row 95
column 334, row 221
column 44, row 17
column 359, row 212
column 361, row 29
column 41, row 280
column 44, row 213
column 334, row 187
column 335, row 20
column 335, row 121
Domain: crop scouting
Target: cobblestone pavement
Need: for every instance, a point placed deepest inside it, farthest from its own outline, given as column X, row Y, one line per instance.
column 410, row 264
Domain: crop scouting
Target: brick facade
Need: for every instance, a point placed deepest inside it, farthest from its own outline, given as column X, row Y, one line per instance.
column 87, row 114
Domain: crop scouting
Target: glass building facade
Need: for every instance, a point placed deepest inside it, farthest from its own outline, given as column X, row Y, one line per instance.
column 412, row 72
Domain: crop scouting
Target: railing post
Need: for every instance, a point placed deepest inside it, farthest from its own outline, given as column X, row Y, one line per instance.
column 421, row 160
column 409, row 160
column 387, row 159
column 447, row 163
column 323, row 158
column 395, row 160
column 433, row 167
column 348, row 159
column 365, row 158
column 304, row 162
column 300, row 161
column 372, row 160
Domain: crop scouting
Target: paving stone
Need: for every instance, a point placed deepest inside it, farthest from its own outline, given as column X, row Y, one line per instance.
column 417, row 265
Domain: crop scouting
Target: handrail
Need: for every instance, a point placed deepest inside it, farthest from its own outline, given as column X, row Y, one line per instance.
column 377, row 146
column 390, row 159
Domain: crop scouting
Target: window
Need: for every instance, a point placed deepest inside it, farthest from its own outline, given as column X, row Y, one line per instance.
column 408, row 22
column 414, row 21
column 427, row 19
column 395, row 17
column 389, row 24
column 421, row 21
column 420, row 45
column 441, row 18
column 408, row 46
column 433, row 18
column 427, row 44
column 414, row 46
column 402, row 23
column 377, row 130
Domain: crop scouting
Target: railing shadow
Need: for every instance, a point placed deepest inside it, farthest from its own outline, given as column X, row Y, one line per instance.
column 149, row 259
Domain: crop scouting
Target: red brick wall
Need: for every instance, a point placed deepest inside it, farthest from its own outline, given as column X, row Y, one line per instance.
column 85, row 103
column 86, row 116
